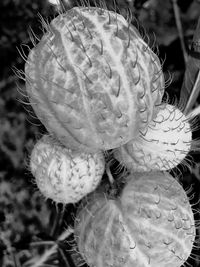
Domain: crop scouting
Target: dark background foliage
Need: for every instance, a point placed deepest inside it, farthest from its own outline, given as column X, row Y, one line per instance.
column 25, row 217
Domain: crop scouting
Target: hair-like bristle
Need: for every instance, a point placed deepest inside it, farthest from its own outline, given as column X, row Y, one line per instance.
column 194, row 256
column 194, row 123
column 145, row 37
column 45, row 24
column 55, row 56
column 33, row 37
column 195, row 145
column 103, row 5
column 157, row 75
column 129, row 16
column 62, row 10
column 22, row 53
column 19, row 73
column 169, row 79
column 39, row 124
column 26, row 104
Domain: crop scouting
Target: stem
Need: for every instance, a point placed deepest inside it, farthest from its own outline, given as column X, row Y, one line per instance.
column 41, row 243
column 53, row 249
column 179, row 28
column 109, row 174
column 191, row 82
column 193, row 96
column 58, row 221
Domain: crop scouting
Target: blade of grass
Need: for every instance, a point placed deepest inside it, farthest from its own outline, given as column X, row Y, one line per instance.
column 191, row 82
column 37, row 262
column 180, row 29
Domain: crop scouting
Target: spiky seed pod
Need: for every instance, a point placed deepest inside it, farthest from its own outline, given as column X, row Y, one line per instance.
column 151, row 224
column 92, row 80
column 165, row 144
column 62, row 175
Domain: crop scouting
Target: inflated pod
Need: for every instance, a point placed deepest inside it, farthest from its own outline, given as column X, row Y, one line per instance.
column 150, row 224
column 62, row 175
column 92, row 80
column 165, row 144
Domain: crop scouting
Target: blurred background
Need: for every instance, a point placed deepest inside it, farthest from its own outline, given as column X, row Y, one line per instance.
column 28, row 223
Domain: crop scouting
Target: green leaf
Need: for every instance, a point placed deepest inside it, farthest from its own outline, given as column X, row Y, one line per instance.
column 191, row 83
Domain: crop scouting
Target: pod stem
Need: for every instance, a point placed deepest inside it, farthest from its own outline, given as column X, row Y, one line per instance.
column 180, row 29
column 39, row 262
column 108, row 172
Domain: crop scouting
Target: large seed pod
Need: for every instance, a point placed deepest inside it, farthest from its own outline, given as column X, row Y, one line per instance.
column 62, row 175
column 151, row 224
column 165, row 144
column 92, row 80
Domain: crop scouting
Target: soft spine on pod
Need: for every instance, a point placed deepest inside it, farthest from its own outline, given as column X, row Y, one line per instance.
column 151, row 224
column 92, row 80
column 165, row 144
column 62, row 175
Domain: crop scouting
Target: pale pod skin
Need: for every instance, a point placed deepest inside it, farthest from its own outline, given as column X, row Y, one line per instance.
column 150, row 225
column 165, row 144
column 63, row 176
column 92, row 80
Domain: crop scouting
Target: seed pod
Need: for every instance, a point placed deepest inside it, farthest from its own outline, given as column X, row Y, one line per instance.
column 151, row 224
column 62, row 175
column 165, row 144
column 92, row 80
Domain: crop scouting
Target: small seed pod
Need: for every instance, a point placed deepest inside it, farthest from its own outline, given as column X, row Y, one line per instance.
column 92, row 80
column 165, row 144
column 151, row 224
column 63, row 176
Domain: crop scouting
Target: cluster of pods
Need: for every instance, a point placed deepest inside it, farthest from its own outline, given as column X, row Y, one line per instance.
column 97, row 87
